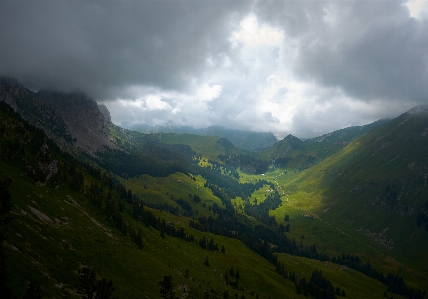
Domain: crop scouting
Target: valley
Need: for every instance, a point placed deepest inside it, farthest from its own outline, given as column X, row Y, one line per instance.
column 137, row 207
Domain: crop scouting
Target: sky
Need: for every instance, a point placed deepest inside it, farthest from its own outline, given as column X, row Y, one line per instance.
column 304, row 68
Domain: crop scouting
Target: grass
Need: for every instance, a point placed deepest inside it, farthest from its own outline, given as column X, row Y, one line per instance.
column 51, row 252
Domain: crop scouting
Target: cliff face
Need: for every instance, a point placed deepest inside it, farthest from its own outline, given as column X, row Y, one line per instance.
column 34, row 110
column 71, row 119
column 88, row 126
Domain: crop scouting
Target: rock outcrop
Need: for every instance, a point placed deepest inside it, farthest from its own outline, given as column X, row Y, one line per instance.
column 88, row 126
column 73, row 120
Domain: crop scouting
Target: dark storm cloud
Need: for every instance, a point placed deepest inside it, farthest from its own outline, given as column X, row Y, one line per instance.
column 100, row 47
column 300, row 67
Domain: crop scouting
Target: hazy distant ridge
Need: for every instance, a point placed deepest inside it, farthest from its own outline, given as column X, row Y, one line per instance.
column 251, row 141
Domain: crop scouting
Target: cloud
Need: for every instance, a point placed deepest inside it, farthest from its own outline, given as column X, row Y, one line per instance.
column 208, row 93
column 102, row 47
column 251, row 33
column 299, row 67
column 155, row 103
column 418, row 8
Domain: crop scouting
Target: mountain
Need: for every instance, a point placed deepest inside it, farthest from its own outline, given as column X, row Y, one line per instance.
column 375, row 190
column 330, row 143
column 73, row 119
column 195, row 209
column 293, row 153
column 250, row 141
column 34, row 110
column 88, row 126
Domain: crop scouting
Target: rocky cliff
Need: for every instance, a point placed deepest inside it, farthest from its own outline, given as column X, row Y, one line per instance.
column 88, row 126
column 72, row 119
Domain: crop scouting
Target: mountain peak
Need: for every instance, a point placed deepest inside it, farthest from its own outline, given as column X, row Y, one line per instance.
column 418, row 110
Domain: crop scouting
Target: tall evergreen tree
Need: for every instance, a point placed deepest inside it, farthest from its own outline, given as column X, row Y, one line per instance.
column 5, row 218
column 34, row 291
column 167, row 287
column 87, row 283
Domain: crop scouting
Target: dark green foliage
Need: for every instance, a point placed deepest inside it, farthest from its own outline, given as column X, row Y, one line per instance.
column 167, row 288
column 76, row 178
column 394, row 283
column 33, row 291
column 206, row 261
column 422, row 220
column 104, row 289
column 261, row 211
column 231, row 272
column 196, row 198
column 5, row 218
column 91, row 288
column 337, row 292
column 152, row 158
column 87, row 283
column 185, row 205
column 258, row 238
column 246, row 163
column 318, row 286
column 139, row 239
column 226, row 188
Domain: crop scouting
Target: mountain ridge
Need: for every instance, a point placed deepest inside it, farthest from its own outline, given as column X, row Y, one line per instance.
column 247, row 140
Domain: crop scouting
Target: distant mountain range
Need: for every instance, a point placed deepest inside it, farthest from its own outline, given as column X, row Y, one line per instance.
column 250, row 141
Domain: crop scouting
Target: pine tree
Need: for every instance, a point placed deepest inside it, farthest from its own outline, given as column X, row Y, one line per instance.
column 206, row 262
column 104, row 289
column 139, row 239
column 34, row 291
column 337, row 292
column 87, row 283
column 5, row 218
column 167, row 287
column 231, row 272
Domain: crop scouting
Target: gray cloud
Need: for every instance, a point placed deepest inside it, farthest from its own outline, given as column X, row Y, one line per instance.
column 100, row 47
column 300, row 67
column 371, row 49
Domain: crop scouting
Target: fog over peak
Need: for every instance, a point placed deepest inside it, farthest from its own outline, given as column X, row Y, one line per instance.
column 299, row 67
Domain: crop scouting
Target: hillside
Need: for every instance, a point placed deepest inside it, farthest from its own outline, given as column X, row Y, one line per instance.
column 72, row 216
column 154, row 205
column 293, row 153
column 374, row 190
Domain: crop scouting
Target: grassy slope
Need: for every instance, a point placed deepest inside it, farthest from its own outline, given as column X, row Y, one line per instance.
column 346, row 192
column 51, row 251
column 179, row 186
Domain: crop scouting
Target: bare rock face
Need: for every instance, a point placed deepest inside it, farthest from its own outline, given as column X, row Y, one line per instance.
column 72, row 119
column 34, row 110
column 105, row 112
column 88, row 126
